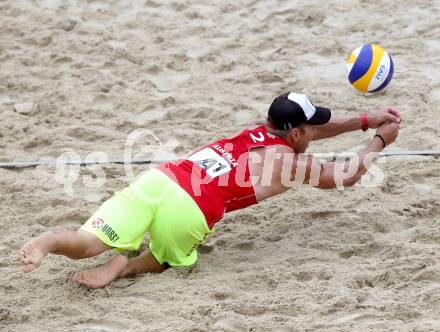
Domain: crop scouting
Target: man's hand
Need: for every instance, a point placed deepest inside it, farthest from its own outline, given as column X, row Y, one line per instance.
column 388, row 131
column 328, row 175
column 386, row 115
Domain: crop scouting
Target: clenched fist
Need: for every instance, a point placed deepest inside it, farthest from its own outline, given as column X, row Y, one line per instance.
column 388, row 131
column 388, row 114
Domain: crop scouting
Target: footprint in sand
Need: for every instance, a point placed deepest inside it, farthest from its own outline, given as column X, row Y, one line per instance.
column 245, row 246
column 369, row 250
column 303, row 276
column 4, row 98
column 204, row 249
column 227, row 324
column 273, row 238
column 63, row 60
column 220, row 296
column 357, row 317
column 429, row 275
column 101, row 325
column 142, row 300
column 4, row 313
column 103, row 102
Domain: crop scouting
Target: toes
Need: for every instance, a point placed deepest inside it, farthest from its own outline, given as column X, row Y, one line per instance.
column 30, row 261
column 78, row 277
column 82, row 278
column 28, row 268
column 75, row 277
column 23, row 255
column 29, row 264
column 26, row 260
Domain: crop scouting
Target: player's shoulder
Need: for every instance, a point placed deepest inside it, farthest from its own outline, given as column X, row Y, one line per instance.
column 281, row 148
column 284, row 152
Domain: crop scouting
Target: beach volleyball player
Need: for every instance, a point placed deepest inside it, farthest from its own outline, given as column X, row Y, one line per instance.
column 178, row 203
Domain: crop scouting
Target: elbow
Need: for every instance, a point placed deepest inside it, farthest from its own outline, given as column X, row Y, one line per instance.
column 326, row 184
column 350, row 182
column 333, row 185
column 331, row 182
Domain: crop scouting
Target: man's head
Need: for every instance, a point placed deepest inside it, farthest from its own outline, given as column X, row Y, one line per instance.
column 294, row 117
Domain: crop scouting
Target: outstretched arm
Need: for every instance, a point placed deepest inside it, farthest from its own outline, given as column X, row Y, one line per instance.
column 339, row 125
column 331, row 175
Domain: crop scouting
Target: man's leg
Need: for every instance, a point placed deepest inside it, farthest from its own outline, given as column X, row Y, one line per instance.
column 102, row 275
column 119, row 267
column 73, row 244
column 143, row 263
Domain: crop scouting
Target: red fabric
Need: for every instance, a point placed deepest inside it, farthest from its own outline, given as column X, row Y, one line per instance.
column 232, row 189
column 364, row 119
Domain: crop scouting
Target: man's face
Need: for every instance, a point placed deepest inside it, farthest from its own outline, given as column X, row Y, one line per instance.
column 303, row 137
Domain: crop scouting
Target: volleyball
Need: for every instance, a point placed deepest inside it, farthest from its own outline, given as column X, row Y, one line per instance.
column 369, row 68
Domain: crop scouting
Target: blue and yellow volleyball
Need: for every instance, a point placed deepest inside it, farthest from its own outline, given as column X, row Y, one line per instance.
column 370, row 68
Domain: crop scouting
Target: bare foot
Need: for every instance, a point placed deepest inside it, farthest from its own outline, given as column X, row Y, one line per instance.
column 102, row 275
column 33, row 252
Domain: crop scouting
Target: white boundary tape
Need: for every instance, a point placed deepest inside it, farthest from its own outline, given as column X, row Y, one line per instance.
column 323, row 156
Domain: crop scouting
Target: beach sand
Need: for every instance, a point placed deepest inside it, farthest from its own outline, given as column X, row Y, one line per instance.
column 361, row 259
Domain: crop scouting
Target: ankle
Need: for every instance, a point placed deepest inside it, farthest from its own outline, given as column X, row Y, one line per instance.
column 128, row 271
column 50, row 240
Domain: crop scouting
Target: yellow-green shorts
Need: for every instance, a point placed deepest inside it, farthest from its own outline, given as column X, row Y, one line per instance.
column 157, row 204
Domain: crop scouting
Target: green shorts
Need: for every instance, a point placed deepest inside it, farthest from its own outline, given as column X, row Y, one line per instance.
column 157, row 204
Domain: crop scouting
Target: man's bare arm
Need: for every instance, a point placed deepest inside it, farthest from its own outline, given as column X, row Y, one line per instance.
column 328, row 176
column 339, row 125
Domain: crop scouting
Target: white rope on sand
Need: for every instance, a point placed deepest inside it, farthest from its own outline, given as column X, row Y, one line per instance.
column 29, row 164
column 386, row 153
column 324, row 156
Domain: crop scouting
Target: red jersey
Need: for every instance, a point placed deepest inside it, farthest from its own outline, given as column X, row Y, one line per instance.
column 217, row 175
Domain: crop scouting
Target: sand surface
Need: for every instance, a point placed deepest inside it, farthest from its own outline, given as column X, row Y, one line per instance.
column 363, row 259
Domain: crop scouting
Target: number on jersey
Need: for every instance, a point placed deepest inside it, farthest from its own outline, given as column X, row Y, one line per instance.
column 214, row 164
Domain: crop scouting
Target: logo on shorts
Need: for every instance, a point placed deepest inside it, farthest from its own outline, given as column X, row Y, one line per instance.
column 111, row 234
column 97, row 223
